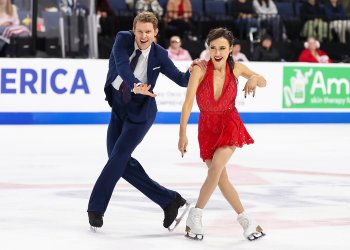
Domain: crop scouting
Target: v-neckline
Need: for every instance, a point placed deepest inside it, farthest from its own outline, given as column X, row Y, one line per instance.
column 222, row 89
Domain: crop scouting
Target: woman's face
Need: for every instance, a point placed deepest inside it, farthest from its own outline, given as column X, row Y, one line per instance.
column 219, row 50
column 312, row 44
column 175, row 42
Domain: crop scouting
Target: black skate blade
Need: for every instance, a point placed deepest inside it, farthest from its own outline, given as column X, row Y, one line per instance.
column 178, row 220
column 193, row 236
column 256, row 236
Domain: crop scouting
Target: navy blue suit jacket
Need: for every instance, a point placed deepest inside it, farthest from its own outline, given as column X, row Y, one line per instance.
column 141, row 107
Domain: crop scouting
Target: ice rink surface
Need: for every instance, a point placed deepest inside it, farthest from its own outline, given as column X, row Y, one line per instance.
column 295, row 181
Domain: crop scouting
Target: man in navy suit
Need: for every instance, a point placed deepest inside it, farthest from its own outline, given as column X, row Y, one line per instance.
column 129, row 92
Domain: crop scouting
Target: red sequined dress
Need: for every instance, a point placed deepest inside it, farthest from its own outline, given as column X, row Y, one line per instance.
column 219, row 122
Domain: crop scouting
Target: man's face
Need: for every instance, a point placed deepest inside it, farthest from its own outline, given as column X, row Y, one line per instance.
column 267, row 43
column 144, row 34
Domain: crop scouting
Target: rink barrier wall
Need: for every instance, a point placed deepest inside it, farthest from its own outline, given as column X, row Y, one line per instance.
column 168, row 118
column 70, row 91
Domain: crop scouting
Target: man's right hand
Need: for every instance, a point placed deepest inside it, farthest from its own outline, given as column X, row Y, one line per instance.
column 143, row 89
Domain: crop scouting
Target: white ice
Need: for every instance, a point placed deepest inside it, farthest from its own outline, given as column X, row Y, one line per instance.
column 294, row 180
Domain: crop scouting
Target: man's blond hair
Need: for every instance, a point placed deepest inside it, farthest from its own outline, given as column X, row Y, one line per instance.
column 146, row 17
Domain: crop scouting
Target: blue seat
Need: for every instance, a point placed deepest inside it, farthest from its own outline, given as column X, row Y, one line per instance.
column 119, row 8
column 216, row 9
column 163, row 3
column 198, row 10
column 51, row 20
column 285, row 9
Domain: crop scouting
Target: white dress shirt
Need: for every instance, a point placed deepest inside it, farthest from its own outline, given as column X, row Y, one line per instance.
column 140, row 71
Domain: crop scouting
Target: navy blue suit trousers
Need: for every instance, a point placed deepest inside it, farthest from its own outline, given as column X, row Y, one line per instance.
column 123, row 136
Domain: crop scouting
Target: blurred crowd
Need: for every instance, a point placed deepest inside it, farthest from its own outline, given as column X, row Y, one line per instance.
column 266, row 30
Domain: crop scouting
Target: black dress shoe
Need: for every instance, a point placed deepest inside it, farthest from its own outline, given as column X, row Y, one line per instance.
column 95, row 219
column 172, row 209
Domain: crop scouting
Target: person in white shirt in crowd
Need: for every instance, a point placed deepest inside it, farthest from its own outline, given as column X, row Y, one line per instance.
column 149, row 5
column 270, row 21
column 237, row 55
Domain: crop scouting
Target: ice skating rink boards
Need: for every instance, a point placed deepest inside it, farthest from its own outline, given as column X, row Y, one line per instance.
column 295, row 181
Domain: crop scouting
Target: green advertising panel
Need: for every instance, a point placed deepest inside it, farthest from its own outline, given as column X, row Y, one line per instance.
column 316, row 87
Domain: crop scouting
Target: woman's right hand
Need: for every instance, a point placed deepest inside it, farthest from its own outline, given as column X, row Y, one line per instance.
column 182, row 145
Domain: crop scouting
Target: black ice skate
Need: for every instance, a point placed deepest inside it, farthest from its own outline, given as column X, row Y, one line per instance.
column 172, row 210
column 95, row 220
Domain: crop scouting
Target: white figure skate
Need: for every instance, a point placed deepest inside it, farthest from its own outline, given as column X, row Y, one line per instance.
column 194, row 228
column 252, row 231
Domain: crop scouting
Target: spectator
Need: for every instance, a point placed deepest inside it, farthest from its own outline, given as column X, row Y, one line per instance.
column 8, row 13
column 336, row 16
column 9, row 25
column 237, row 55
column 176, row 52
column 245, row 17
column 313, row 18
column 105, row 19
column 312, row 52
column 265, row 51
column 149, row 5
column 70, row 8
column 129, row 3
column 177, row 18
column 269, row 18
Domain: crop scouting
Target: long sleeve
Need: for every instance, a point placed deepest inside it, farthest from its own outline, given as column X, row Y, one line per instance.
column 157, row 8
column 173, row 73
column 121, row 57
column 263, row 9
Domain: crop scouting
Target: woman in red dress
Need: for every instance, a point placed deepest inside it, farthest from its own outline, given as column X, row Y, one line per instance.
column 220, row 128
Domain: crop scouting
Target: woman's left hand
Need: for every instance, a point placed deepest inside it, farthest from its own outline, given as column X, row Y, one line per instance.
column 250, row 87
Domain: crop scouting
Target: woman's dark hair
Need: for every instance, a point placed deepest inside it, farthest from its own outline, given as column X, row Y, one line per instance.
column 225, row 33
column 267, row 2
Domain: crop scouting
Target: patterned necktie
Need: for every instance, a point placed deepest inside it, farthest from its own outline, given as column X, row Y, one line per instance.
column 124, row 87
